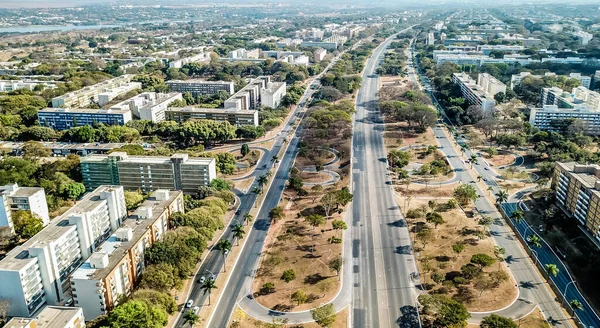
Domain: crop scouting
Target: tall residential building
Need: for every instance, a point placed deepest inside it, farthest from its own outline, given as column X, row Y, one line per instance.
column 430, row 38
column 51, row 317
column 148, row 173
column 479, row 93
column 201, row 87
column 116, row 266
column 37, row 272
column 249, row 96
column 66, row 118
column 273, row 94
column 12, row 85
column 554, row 119
column 579, row 98
column 319, row 54
column 15, row 198
column 149, row 106
column 99, row 93
column 234, row 117
column 577, row 189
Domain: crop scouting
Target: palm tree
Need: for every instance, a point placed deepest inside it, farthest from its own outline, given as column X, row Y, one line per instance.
column 463, row 148
column 274, row 159
column 552, row 269
column 248, row 218
column 191, row 317
column 207, row 287
column 576, row 304
column 501, row 197
column 474, row 160
column 490, row 189
column 517, row 215
column 224, row 246
column 479, row 177
column 262, row 180
column 535, row 240
column 257, row 190
column 268, row 174
column 238, row 232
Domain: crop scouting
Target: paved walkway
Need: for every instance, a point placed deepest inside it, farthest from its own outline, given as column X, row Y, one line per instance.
column 327, row 169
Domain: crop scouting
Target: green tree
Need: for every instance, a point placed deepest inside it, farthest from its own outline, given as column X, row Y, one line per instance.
column 458, row 248
column 535, row 240
column 248, row 218
column 425, row 236
column 238, row 232
column 224, row 246
column 220, row 184
column 552, row 269
column 191, row 317
column 452, row 314
column 276, row 213
column 339, row 225
column 288, row 275
column 34, row 150
column 465, row 193
column 207, row 287
column 74, row 190
column 137, row 314
column 245, row 150
column 133, row 199
column 482, row 260
column 161, row 277
column 315, row 220
column 575, row 304
column 26, row 224
column 496, row 321
column 336, row 265
column 517, row 215
column 501, row 197
column 434, row 218
column 156, row 298
column 299, row 297
column 324, row 315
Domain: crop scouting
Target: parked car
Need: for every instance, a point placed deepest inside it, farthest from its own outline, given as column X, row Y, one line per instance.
column 189, row 303
column 202, row 280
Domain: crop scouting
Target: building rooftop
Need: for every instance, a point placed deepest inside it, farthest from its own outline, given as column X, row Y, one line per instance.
column 128, row 235
column 49, row 317
column 587, row 175
column 165, row 160
column 199, row 81
column 190, row 109
column 84, row 111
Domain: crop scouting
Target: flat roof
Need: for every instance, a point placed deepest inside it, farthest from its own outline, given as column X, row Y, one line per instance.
column 198, row 81
column 117, row 249
column 68, row 145
column 49, row 317
column 191, row 109
column 165, row 160
column 84, row 111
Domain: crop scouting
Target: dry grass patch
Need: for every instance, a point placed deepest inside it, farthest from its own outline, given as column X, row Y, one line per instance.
column 242, row 320
column 399, row 134
column 315, row 177
column 502, row 159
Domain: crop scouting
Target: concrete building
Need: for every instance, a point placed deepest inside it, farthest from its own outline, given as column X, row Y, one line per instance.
column 430, row 39
column 579, row 98
column 314, row 34
column 242, row 53
column 200, row 87
column 273, row 94
column 249, row 96
column 98, row 93
column 486, row 49
column 555, row 119
column 319, row 54
column 585, row 37
column 479, row 93
column 322, row 44
column 577, row 188
column 66, row 118
column 149, row 106
column 51, row 317
column 515, row 79
column 234, row 117
column 179, row 63
column 148, row 173
column 12, row 85
column 15, row 198
column 116, row 266
column 37, row 272
column 278, row 54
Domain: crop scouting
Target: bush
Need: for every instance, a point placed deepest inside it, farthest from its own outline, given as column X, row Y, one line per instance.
column 415, row 213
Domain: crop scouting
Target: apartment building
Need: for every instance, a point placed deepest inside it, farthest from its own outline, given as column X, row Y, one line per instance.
column 37, row 272
column 179, row 63
column 148, row 173
column 100, row 93
column 486, row 49
column 278, row 54
column 242, row 53
column 149, row 106
column 479, row 93
column 51, row 317
column 249, row 96
column 516, row 79
column 322, row 44
column 12, row 85
column 66, row 118
column 116, row 266
column 200, row 87
column 577, row 188
column 273, row 94
column 554, row 119
column 234, row 117
column 579, row 98
column 430, row 40
column 15, row 198
column 315, row 34
column 319, row 54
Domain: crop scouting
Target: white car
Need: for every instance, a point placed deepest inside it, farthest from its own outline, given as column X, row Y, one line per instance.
column 189, row 304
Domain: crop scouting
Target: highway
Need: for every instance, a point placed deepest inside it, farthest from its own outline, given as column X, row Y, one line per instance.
column 382, row 260
column 530, row 282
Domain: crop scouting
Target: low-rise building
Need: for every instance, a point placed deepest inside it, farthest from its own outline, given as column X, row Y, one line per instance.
column 51, row 317
column 179, row 63
column 577, row 188
column 116, row 267
column 479, row 93
column 579, row 98
column 273, row 94
column 319, row 54
column 201, row 87
column 98, row 93
column 66, row 118
column 15, row 198
column 555, row 119
column 149, row 106
column 325, row 45
column 37, row 272
column 148, row 173
column 234, row 117
column 12, row 85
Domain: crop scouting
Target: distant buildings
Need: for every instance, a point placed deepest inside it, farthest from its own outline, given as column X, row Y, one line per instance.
column 579, row 98
column 148, row 173
column 577, row 188
column 259, row 91
column 12, row 85
column 314, row 34
column 149, row 106
column 323, row 44
column 585, row 37
column 51, row 317
column 319, row 54
column 234, row 117
column 242, row 53
column 515, row 79
column 15, row 198
column 488, row 48
column 179, row 63
column 479, row 93
column 66, row 118
column 273, row 94
column 100, row 93
column 560, row 107
column 37, row 272
column 115, row 267
column 201, row 87
column 430, row 39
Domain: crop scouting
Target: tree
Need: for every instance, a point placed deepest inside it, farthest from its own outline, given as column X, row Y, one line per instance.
column 501, row 197
column 452, row 314
column 315, row 220
column 339, row 225
column 207, row 287
column 552, row 270
column 276, row 213
column 535, row 240
column 220, row 184
column 248, row 218
column 517, row 215
column 336, row 265
column 238, row 232
column 498, row 277
column 425, row 236
column 434, row 218
column 245, row 150
column 575, row 304
column 34, row 150
column 156, row 298
column 299, row 297
column 465, row 193
column 486, row 222
column 267, row 288
column 329, row 201
column 162, row 277
column 73, row 190
column 137, row 314
column 482, row 283
column 132, row 199
column 224, row 246
column 324, row 315
column 482, row 260
column 496, row 321
column 288, row 275
column 458, row 248
column 191, row 317
column 26, row 224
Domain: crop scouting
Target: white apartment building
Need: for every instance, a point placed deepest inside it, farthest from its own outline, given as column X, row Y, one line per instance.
column 15, row 198
column 273, row 94
column 585, row 80
column 116, row 266
column 313, row 34
column 552, row 118
column 515, row 79
column 488, row 48
column 490, row 84
column 578, row 98
column 179, row 63
column 242, row 53
column 149, row 106
column 477, row 94
column 249, row 96
column 51, row 317
column 12, row 85
column 585, row 37
column 107, row 90
column 37, row 272
column 319, row 54
column 430, row 39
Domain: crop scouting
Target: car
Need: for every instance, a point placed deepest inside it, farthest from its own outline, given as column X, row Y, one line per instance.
column 486, row 168
column 484, row 179
column 196, row 309
column 189, row 304
column 202, row 280
column 237, row 212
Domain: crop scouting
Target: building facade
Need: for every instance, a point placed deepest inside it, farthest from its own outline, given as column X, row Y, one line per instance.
column 580, row 97
column 554, row 119
column 234, row 117
column 273, row 94
column 15, row 198
column 149, row 173
column 200, row 87
column 66, row 118
column 149, row 106
column 319, row 54
column 479, row 94
column 51, row 317
column 108, row 89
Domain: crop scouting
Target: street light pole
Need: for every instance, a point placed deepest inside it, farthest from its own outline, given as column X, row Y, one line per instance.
column 565, row 293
